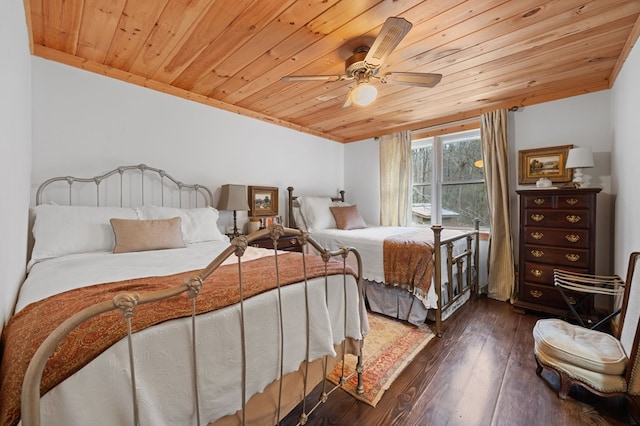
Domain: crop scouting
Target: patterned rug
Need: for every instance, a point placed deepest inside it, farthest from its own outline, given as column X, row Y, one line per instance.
column 389, row 347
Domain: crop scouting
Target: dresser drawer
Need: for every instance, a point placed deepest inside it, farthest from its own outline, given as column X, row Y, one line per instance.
column 573, row 201
column 559, row 237
column 548, row 201
column 544, row 295
column 557, row 218
column 557, row 256
column 540, row 201
column 541, row 273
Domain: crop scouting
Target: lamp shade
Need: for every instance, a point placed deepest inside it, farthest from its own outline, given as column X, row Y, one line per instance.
column 363, row 94
column 579, row 158
column 233, row 197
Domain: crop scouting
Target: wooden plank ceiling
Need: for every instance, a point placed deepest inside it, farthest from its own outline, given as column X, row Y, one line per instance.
column 231, row 54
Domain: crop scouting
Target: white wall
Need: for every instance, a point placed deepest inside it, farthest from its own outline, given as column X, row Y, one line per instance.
column 15, row 150
column 362, row 178
column 625, row 105
column 85, row 123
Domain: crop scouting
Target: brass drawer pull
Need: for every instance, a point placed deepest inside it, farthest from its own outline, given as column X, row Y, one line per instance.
column 537, row 235
column 537, row 253
column 535, row 293
column 572, row 218
column 572, row 300
column 572, row 257
column 539, row 201
column 536, row 273
column 572, row 201
column 572, row 238
column 537, row 217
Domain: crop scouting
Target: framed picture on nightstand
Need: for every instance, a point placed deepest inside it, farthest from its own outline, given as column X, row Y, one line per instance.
column 263, row 201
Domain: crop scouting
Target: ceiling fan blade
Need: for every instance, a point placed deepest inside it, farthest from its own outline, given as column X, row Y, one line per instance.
column 391, row 34
column 412, row 78
column 348, row 102
column 292, row 78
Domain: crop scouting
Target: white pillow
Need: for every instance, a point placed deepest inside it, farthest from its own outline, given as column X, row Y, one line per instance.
column 297, row 216
column 316, row 212
column 61, row 230
column 198, row 225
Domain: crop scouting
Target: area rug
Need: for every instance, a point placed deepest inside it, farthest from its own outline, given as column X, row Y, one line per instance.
column 388, row 348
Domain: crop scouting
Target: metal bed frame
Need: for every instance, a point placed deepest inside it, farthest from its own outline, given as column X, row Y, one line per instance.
column 147, row 174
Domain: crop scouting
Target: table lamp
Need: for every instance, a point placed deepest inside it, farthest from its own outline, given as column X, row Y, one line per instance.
column 578, row 159
column 234, row 197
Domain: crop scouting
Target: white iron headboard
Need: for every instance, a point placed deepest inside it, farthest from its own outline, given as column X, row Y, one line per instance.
column 138, row 185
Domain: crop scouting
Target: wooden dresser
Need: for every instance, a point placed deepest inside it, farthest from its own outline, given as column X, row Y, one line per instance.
column 557, row 230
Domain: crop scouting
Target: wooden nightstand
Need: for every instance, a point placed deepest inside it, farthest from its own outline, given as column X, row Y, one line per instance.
column 287, row 243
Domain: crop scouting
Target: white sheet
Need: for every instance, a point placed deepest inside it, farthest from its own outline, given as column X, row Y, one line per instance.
column 100, row 392
column 369, row 243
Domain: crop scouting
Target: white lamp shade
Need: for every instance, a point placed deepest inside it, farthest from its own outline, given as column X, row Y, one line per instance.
column 364, row 94
column 233, row 197
column 579, row 158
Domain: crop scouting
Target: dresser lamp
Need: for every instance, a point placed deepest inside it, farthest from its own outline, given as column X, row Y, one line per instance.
column 578, row 159
column 234, row 197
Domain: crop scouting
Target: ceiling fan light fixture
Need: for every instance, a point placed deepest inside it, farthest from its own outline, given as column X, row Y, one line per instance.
column 366, row 63
column 363, row 94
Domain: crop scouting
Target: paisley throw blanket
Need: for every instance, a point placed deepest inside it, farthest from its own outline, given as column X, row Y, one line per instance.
column 408, row 261
column 28, row 329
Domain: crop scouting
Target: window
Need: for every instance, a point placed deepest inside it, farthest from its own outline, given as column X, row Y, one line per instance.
column 448, row 180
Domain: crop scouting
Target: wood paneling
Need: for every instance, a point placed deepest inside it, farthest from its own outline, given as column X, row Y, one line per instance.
column 231, row 54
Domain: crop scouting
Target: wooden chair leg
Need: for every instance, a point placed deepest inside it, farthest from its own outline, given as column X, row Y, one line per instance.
column 539, row 367
column 565, row 382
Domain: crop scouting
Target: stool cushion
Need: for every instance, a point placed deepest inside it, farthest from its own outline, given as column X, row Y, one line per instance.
column 571, row 344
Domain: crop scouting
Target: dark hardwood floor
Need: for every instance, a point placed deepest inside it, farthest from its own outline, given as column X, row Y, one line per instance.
column 481, row 372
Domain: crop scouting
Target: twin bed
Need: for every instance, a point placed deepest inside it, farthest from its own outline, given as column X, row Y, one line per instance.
column 149, row 312
column 410, row 273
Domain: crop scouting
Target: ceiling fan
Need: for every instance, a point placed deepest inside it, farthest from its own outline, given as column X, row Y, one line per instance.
column 364, row 65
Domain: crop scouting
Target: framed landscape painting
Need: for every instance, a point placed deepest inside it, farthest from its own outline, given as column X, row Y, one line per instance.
column 263, row 201
column 548, row 163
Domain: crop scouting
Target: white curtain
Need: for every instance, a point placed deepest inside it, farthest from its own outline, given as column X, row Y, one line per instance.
column 395, row 179
column 495, row 151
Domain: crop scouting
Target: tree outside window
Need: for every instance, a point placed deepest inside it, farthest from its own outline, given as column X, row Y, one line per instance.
column 448, row 180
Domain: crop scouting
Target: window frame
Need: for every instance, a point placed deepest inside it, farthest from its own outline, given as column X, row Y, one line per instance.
column 437, row 142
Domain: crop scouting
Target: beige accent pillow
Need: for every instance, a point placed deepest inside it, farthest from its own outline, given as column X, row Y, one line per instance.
column 142, row 235
column 347, row 217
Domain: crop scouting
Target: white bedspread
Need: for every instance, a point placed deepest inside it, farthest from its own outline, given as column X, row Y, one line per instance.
column 369, row 243
column 100, row 392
